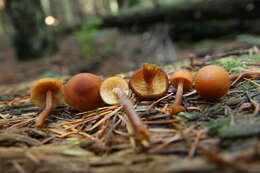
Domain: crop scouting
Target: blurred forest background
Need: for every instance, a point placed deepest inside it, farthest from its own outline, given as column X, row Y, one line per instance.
column 62, row 37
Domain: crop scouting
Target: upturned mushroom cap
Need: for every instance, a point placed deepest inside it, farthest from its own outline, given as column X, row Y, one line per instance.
column 212, row 82
column 183, row 74
column 82, row 92
column 40, row 88
column 159, row 83
column 107, row 86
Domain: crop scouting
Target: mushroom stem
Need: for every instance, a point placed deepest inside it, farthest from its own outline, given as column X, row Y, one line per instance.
column 138, row 126
column 149, row 72
column 191, row 57
column 177, row 105
column 179, row 93
column 46, row 111
column 243, row 75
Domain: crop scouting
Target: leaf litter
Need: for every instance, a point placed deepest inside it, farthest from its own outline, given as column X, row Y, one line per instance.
column 205, row 138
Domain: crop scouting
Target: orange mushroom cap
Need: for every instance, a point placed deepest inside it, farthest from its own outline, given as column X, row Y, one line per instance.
column 107, row 86
column 183, row 74
column 40, row 88
column 157, row 78
column 212, row 82
column 82, row 92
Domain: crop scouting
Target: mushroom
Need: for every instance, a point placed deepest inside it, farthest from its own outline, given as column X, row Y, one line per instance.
column 107, row 86
column 192, row 58
column 182, row 80
column 212, row 82
column 46, row 93
column 82, row 92
column 114, row 90
column 150, row 82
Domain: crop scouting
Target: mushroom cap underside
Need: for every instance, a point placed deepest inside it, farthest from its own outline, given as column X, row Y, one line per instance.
column 40, row 88
column 159, row 85
column 107, row 86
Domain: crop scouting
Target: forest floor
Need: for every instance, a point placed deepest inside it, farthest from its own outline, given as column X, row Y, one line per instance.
column 221, row 135
column 127, row 52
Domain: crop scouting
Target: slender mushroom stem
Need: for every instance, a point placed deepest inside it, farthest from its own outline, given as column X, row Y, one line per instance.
column 178, row 99
column 140, row 129
column 177, row 107
column 46, row 111
column 149, row 72
column 192, row 57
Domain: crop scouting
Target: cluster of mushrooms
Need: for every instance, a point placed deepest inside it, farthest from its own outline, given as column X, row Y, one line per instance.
column 86, row 91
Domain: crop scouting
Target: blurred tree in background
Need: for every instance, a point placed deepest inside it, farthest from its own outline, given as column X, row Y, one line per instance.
column 31, row 36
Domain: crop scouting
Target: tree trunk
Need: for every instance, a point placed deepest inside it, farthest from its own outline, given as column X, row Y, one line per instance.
column 193, row 11
column 124, row 4
column 96, row 8
column 106, row 4
column 77, row 7
column 31, row 37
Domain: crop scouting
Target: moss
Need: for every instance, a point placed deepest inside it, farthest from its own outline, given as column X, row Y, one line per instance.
column 191, row 116
column 215, row 126
column 232, row 65
column 255, row 57
column 249, row 39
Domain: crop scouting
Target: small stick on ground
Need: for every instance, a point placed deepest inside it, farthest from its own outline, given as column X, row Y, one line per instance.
column 195, row 144
column 244, row 75
column 157, row 101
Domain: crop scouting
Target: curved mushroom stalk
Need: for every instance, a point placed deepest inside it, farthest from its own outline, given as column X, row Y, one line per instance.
column 176, row 106
column 46, row 111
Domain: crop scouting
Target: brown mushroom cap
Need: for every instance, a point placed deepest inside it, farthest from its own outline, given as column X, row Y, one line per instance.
column 82, row 92
column 212, row 82
column 40, row 88
column 159, row 84
column 107, row 86
column 183, row 74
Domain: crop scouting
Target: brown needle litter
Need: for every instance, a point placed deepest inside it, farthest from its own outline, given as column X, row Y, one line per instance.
column 249, row 74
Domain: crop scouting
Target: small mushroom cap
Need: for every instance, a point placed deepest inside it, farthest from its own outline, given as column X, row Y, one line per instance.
column 212, row 82
column 159, row 83
column 183, row 74
column 107, row 86
column 82, row 92
column 40, row 88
